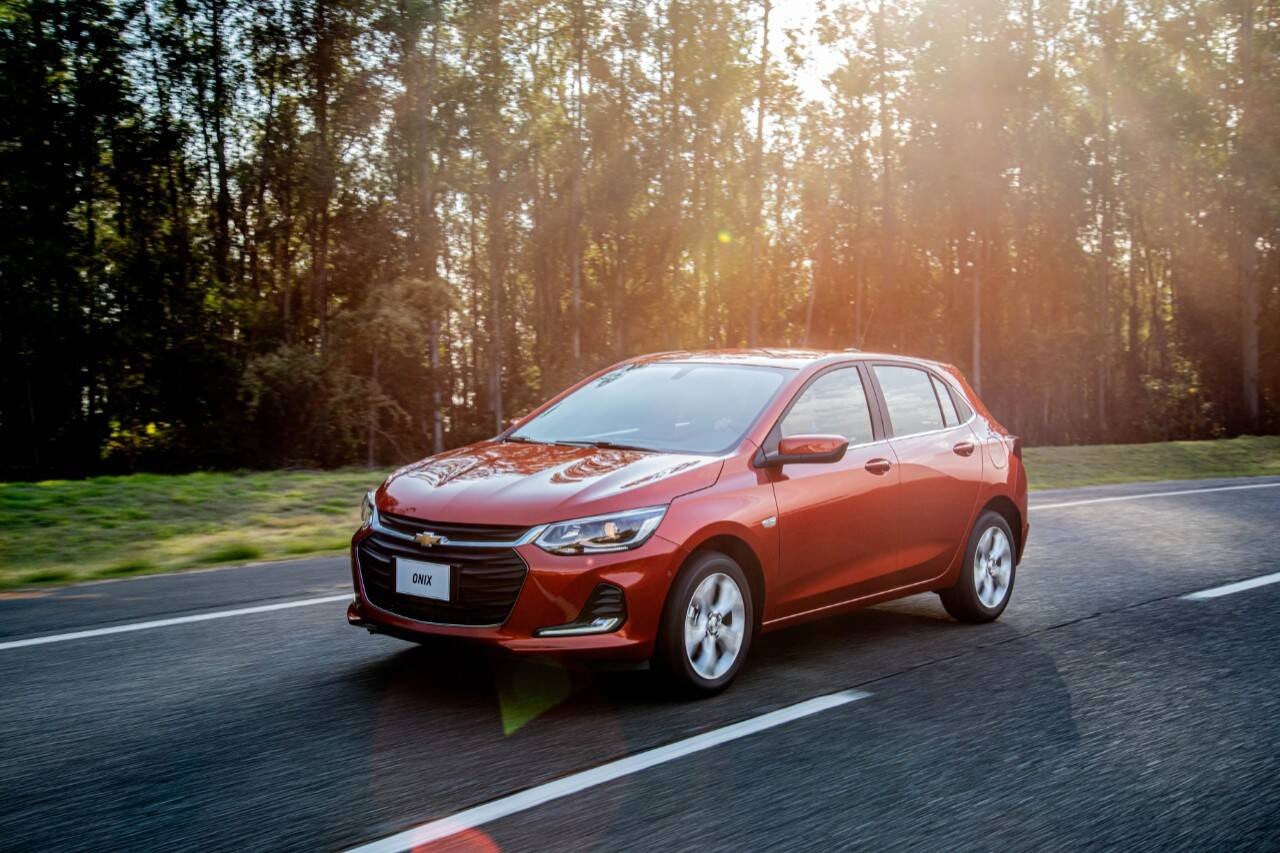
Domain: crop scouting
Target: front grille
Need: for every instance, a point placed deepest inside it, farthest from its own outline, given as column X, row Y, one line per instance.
column 456, row 532
column 486, row 581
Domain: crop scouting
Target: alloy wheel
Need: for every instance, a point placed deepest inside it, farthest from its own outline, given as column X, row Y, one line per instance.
column 714, row 626
column 992, row 567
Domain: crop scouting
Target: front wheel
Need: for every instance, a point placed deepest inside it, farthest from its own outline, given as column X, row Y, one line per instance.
column 982, row 591
column 706, row 625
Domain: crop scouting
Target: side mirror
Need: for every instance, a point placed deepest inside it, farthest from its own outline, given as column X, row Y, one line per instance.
column 807, row 449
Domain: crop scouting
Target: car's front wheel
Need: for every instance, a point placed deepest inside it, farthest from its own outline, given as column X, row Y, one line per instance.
column 982, row 591
column 706, row 625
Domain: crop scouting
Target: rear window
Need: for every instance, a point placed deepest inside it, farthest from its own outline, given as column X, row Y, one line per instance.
column 908, row 394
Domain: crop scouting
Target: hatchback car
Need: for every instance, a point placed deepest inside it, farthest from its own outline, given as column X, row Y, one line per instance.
column 667, row 509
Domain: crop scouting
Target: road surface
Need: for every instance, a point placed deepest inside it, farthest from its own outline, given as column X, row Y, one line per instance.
column 1103, row 710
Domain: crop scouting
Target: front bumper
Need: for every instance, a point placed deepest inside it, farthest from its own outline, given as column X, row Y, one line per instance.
column 554, row 591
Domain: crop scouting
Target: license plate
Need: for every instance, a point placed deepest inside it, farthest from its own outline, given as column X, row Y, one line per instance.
column 422, row 579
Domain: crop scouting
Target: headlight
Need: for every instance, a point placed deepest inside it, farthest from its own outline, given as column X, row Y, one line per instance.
column 366, row 509
column 619, row 531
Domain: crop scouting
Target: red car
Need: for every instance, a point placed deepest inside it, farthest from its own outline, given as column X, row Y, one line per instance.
column 668, row 508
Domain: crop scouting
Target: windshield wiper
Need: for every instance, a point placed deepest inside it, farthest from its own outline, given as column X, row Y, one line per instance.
column 522, row 439
column 608, row 445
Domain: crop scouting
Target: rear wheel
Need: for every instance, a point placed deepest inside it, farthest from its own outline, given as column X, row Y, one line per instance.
column 706, row 625
column 982, row 591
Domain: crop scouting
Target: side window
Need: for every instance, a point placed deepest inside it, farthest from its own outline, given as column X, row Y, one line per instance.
column 908, row 393
column 948, row 405
column 962, row 406
column 835, row 404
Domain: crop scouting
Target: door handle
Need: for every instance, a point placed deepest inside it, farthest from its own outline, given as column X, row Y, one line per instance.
column 964, row 448
column 878, row 466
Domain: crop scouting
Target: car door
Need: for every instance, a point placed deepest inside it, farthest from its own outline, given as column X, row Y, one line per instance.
column 939, row 463
column 837, row 532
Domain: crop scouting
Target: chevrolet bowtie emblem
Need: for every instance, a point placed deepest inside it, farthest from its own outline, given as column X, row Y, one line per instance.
column 426, row 540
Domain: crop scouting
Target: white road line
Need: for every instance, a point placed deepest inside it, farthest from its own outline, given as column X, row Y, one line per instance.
column 164, row 623
column 577, row 782
column 1239, row 586
column 1035, row 507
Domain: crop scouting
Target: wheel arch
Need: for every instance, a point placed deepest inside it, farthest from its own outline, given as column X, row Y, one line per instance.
column 746, row 558
column 1008, row 510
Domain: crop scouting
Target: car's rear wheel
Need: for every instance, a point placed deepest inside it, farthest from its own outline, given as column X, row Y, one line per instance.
column 982, row 591
column 706, row 625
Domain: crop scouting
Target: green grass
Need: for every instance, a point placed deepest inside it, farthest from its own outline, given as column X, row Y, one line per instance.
column 1060, row 467
column 109, row 527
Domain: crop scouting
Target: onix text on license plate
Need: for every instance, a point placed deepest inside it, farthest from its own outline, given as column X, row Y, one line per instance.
column 425, row 580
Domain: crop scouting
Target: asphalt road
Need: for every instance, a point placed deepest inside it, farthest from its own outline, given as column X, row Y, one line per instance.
column 1103, row 710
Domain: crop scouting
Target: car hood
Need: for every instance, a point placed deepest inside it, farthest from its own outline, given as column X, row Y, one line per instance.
column 525, row 484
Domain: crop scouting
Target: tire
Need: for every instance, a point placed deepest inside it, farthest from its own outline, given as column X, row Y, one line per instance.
column 711, row 599
column 985, row 585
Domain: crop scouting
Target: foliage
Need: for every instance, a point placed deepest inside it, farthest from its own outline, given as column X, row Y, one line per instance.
column 303, row 408
column 331, row 231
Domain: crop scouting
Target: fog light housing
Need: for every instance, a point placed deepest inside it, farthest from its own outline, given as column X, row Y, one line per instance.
column 604, row 612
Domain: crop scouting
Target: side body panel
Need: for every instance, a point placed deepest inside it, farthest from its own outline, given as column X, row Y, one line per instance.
column 934, row 561
column 741, row 505
column 939, row 491
column 941, row 479
column 838, row 529
column 837, row 521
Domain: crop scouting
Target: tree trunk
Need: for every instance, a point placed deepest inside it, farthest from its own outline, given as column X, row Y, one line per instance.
column 323, row 64
column 437, row 413
column 860, row 296
column 757, row 182
column 1106, row 204
column 371, row 416
column 619, row 303
column 495, row 211
column 808, row 311
column 222, row 205
column 575, row 202
column 976, row 342
column 1133, row 362
column 493, row 239
column 888, row 236
column 1247, row 260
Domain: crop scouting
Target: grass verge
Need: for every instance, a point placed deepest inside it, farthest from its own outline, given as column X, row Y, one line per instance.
column 109, row 527
column 1092, row 465
column 60, row 531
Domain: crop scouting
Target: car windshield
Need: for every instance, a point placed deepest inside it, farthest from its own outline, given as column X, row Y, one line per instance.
column 678, row 406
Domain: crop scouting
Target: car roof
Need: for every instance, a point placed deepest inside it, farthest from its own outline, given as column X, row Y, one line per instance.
column 794, row 359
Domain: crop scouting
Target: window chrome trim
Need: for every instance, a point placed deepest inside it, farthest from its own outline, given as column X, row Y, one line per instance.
column 930, row 432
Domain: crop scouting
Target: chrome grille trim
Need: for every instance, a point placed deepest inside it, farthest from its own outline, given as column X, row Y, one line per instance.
column 529, row 535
